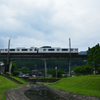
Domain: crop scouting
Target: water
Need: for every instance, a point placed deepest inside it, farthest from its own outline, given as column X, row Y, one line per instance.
column 40, row 92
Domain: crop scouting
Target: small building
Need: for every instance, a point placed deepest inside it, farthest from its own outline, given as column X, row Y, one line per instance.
column 36, row 73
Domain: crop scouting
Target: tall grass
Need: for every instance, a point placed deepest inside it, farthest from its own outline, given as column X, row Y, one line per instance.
column 6, row 84
column 87, row 85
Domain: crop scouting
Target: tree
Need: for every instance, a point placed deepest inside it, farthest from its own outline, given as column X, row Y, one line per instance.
column 14, row 67
column 99, row 70
column 83, row 70
column 24, row 70
column 94, row 57
column 53, row 72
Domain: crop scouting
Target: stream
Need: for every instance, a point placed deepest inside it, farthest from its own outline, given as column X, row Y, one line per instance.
column 40, row 92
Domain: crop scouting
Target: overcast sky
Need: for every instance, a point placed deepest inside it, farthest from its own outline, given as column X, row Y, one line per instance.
column 50, row 23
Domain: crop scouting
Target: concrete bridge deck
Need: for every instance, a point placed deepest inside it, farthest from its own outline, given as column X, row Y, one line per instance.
column 46, row 56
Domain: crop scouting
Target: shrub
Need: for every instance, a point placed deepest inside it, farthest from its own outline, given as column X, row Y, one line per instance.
column 83, row 70
column 98, row 70
column 53, row 72
column 15, row 73
column 8, row 74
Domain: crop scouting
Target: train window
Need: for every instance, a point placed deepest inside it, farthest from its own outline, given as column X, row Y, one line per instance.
column 35, row 49
column 64, row 49
column 76, row 49
column 24, row 49
column 30, row 49
column 5, row 49
column 12, row 49
column 72, row 49
column 18, row 49
column 50, row 49
column 44, row 49
column 58, row 49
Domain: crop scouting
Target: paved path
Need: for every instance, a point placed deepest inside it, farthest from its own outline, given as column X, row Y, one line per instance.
column 17, row 93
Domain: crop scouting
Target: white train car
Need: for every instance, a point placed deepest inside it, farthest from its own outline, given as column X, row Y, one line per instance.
column 19, row 50
column 49, row 49
column 41, row 50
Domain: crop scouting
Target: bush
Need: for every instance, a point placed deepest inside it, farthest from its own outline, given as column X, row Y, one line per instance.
column 98, row 70
column 1, row 74
column 53, row 72
column 16, row 73
column 8, row 74
column 83, row 70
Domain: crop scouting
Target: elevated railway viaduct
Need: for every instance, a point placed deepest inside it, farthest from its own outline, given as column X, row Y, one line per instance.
column 53, row 56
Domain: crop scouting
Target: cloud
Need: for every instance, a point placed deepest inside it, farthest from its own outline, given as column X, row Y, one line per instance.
column 50, row 22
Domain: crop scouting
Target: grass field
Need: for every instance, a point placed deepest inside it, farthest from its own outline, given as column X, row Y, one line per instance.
column 6, row 84
column 87, row 85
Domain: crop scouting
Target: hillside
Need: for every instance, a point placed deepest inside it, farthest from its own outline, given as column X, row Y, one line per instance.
column 87, row 85
column 83, row 52
column 6, row 84
column 51, row 64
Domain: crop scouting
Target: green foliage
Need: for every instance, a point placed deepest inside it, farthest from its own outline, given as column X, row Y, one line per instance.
column 83, row 70
column 99, row 70
column 94, row 56
column 61, row 64
column 16, row 73
column 8, row 74
column 24, row 70
column 87, row 85
column 14, row 67
column 53, row 72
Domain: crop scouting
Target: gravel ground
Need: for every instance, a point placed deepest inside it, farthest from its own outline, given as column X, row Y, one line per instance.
column 18, row 94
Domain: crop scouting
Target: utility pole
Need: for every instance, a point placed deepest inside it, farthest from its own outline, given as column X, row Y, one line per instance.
column 70, row 57
column 8, row 60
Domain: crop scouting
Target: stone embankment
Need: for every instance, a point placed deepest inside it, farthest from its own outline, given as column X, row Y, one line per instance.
column 73, row 96
column 18, row 94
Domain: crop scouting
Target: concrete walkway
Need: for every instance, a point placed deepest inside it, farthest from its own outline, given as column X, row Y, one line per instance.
column 17, row 93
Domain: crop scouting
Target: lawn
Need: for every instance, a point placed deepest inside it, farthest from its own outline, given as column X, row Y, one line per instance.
column 87, row 85
column 6, row 84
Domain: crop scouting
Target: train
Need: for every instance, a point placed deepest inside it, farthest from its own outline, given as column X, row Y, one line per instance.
column 41, row 50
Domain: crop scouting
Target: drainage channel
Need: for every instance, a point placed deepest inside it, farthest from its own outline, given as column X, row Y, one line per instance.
column 40, row 92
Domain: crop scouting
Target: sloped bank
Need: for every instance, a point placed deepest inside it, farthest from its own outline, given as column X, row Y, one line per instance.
column 70, row 95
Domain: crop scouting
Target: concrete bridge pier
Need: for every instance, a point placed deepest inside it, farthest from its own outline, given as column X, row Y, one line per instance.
column 45, row 63
column 10, row 67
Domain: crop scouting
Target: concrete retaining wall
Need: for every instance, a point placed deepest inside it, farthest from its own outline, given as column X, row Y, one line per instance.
column 43, row 80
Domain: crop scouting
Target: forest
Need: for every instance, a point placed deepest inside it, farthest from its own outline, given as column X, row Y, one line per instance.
column 51, row 64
